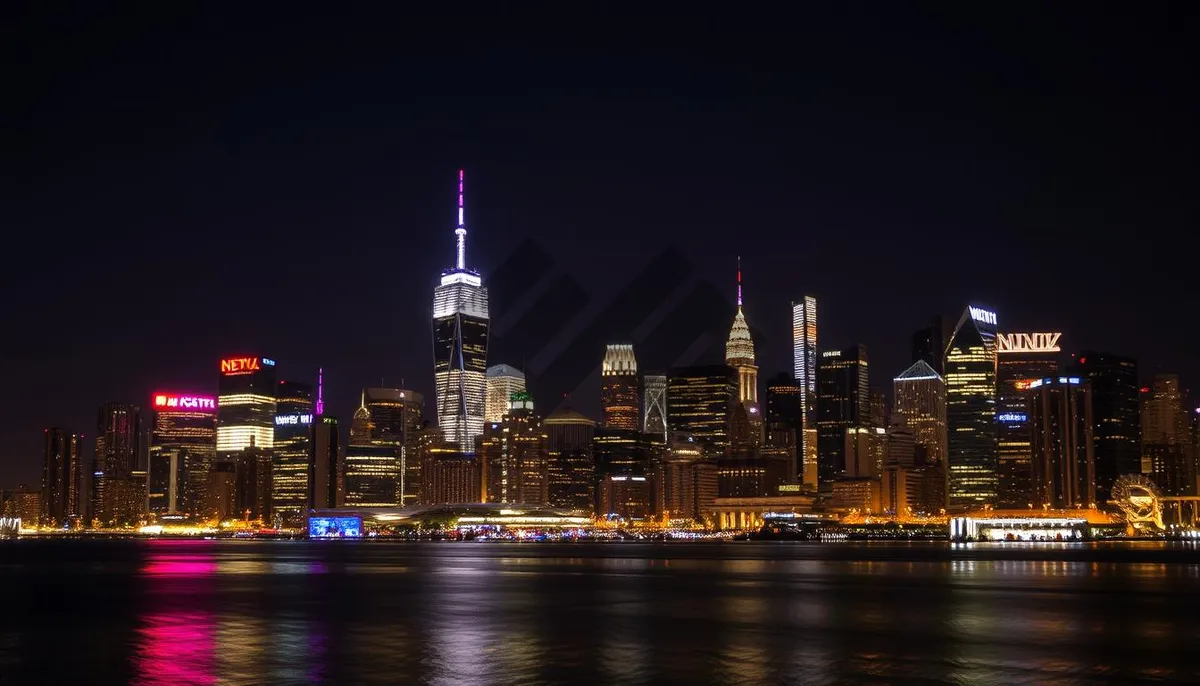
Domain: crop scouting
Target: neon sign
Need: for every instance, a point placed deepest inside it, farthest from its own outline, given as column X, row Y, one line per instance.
column 1012, row 417
column 171, row 401
column 981, row 315
column 287, row 419
column 242, row 365
column 832, row 353
column 268, row 361
column 1027, row 342
column 1023, row 384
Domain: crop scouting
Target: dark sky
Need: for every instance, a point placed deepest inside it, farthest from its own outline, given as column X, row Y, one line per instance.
column 183, row 184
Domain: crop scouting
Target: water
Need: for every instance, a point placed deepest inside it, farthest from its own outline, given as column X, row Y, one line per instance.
column 244, row 612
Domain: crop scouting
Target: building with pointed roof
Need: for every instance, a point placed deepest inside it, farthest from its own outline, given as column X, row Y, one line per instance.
column 970, row 368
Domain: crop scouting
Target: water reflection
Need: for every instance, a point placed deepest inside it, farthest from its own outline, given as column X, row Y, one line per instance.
column 175, row 642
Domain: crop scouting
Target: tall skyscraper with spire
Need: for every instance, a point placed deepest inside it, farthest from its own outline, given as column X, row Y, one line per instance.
column 739, row 354
column 460, row 338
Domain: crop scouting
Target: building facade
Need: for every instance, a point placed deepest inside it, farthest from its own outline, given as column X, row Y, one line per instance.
column 245, row 405
column 183, row 444
column 700, row 402
column 292, row 449
column 572, row 466
column 971, row 410
column 1020, row 358
column 1064, row 466
column 118, row 445
column 619, row 400
column 62, row 478
column 654, row 405
column 502, row 382
column 804, row 369
column 843, row 402
column 1115, row 413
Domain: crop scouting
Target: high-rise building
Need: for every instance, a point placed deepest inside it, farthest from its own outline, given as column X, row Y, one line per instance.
column 118, row 436
column 804, row 367
column 1115, row 414
column 619, row 399
column 929, row 344
column 1167, row 446
column 62, row 477
column 920, row 394
column 1020, row 358
column 572, row 465
column 654, row 405
column 784, row 422
column 843, row 401
column 971, row 409
column 183, row 443
column 394, row 418
column 253, row 485
column 449, row 476
column 502, row 382
column 700, row 401
column 326, row 466
column 686, row 483
column 516, row 464
column 460, row 338
column 1064, row 467
column 293, row 435
column 739, row 354
column 245, row 405
column 878, row 410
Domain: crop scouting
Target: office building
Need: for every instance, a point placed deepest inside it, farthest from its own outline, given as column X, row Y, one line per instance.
column 619, row 399
column 751, row 473
column 843, row 401
column 1020, row 358
column 804, row 368
column 62, row 478
column 118, row 445
column 654, row 405
column 1167, row 445
column 700, row 402
column 253, row 485
column 372, row 476
column 449, row 476
column 1064, row 467
column 686, row 484
column 460, row 337
column 290, row 457
column 920, row 394
column 245, row 405
column 929, row 344
column 326, row 465
column 502, row 382
column 626, row 496
column 515, row 457
column 572, row 467
column 183, row 444
column 971, row 410
column 1115, row 414
column 784, row 423
column 392, row 417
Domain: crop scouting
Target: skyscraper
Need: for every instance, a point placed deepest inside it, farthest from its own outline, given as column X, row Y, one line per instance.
column 183, row 443
column 843, row 401
column 971, row 409
column 1166, row 437
column 289, row 460
column 395, row 420
column 245, row 405
column 460, row 338
column 62, row 477
column 502, row 382
column 118, row 436
column 1020, row 358
column 700, row 401
column 619, row 388
column 515, row 453
column 920, row 395
column 1115, row 415
column 784, row 424
column 572, row 465
column 325, row 465
column 654, row 405
column 739, row 354
column 1064, row 467
column 804, row 367
column 929, row 344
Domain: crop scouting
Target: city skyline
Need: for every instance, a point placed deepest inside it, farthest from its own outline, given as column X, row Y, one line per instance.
column 780, row 181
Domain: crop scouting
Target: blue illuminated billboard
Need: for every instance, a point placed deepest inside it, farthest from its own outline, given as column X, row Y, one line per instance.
column 335, row 527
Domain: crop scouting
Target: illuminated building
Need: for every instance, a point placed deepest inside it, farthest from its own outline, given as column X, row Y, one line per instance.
column 392, row 417
column 1116, row 416
column 24, row 503
column 460, row 336
column 929, row 344
column 687, row 483
column 654, row 405
column 1020, row 357
column 619, row 451
column 700, row 401
column 118, row 433
column 372, row 475
column 619, row 399
column 326, row 467
column 514, row 456
column 971, row 409
column 1064, row 467
column 293, row 433
column 62, row 477
column 739, row 354
column 804, row 367
column 866, row 451
column 784, row 421
column 843, row 401
column 628, row 496
column 183, row 443
column 253, row 484
column 920, row 394
column 220, row 492
column 1167, row 447
column 569, row 437
column 751, row 473
column 449, row 476
column 245, row 405
column 502, row 382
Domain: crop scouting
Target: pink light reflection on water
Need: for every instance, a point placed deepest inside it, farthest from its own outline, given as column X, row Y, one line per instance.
column 177, row 638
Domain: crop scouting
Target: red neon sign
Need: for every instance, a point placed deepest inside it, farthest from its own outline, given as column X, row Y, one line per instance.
column 175, row 402
column 239, row 365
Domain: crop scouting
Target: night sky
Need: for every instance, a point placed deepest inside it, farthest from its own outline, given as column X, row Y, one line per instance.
column 184, row 185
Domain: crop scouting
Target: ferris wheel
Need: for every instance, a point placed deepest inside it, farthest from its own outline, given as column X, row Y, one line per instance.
column 1139, row 499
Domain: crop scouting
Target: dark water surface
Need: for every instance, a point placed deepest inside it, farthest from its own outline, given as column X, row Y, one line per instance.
column 242, row 612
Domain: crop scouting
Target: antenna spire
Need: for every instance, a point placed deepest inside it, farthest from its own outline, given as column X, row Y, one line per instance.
column 461, row 232
column 320, row 392
column 739, row 281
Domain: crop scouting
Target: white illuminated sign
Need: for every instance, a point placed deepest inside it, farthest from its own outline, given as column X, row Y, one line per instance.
column 982, row 316
column 288, row 419
column 1027, row 342
column 832, row 353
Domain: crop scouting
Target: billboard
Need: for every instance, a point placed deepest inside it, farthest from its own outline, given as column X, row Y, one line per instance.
column 183, row 403
column 335, row 527
column 232, row 366
column 1028, row 342
column 293, row 419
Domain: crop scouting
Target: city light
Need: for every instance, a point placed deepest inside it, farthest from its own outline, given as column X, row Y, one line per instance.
column 171, row 401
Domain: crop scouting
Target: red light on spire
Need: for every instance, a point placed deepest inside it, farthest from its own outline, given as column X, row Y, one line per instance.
column 1083, row 360
column 1145, row 389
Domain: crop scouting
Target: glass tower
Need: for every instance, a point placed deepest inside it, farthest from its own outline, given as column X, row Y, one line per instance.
column 971, row 409
column 289, row 461
column 804, row 367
